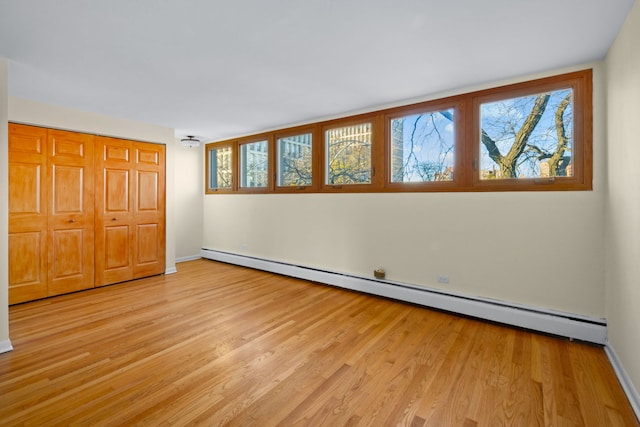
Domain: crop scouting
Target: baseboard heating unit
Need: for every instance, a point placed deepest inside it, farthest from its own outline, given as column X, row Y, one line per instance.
column 573, row 326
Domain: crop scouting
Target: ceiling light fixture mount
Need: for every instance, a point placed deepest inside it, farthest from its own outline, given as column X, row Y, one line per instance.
column 190, row 141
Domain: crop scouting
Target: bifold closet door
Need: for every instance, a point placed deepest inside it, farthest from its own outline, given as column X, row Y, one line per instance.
column 71, row 212
column 28, row 210
column 114, row 210
column 149, row 210
column 130, row 229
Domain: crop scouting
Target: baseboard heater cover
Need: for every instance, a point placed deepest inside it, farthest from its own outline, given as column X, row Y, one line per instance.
column 573, row 326
column 5, row 346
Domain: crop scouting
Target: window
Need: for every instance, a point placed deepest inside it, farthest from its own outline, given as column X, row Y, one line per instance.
column 422, row 147
column 295, row 160
column 254, row 163
column 348, row 154
column 529, row 136
column 220, row 172
column 534, row 135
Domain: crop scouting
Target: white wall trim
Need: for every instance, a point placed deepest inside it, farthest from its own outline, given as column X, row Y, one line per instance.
column 625, row 381
column 5, row 346
column 188, row 258
column 569, row 325
column 171, row 270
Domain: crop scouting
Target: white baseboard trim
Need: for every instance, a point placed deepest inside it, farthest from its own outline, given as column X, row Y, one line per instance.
column 5, row 346
column 625, row 381
column 188, row 258
column 171, row 270
column 568, row 325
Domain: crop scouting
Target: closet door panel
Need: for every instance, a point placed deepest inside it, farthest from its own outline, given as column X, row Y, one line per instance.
column 147, row 247
column 67, row 189
column 28, row 195
column 68, row 267
column 116, row 191
column 148, row 192
column 71, row 212
column 24, row 258
column 117, row 242
column 115, row 231
column 149, row 250
column 25, row 191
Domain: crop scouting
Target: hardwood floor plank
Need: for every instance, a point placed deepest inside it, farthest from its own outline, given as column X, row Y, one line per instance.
column 217, row 344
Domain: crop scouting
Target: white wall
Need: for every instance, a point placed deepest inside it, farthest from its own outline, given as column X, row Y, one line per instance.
column 35, row 113
column 4, row 209
column 623, row 198
column 188, row 200
column 543, row 249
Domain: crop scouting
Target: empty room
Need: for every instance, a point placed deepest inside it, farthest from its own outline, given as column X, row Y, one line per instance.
column 314, row 213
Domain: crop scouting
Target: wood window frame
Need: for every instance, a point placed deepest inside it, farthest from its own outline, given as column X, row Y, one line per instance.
column 582, row 145
column 377, row 154
column 316, row 145
column 234, row 161
column 268, row 137
column 460, row 179
column 467, row 145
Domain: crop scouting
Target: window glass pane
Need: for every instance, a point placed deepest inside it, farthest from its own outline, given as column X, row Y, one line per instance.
column 294, row 160
column 422, row 147
column 253, row 164
column 348, row 154
column 527, row 137
column 220, row 167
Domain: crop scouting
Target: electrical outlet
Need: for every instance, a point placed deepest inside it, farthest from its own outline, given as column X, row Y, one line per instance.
column 443, row 279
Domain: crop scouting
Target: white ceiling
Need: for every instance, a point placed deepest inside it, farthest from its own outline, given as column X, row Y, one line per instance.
column 218, row 69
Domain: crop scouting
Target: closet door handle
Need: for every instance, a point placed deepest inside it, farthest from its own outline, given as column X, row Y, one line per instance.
column 115, row 218
column 72, row 220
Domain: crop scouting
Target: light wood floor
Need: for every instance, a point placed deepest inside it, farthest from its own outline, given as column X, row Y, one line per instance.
column 222, row 345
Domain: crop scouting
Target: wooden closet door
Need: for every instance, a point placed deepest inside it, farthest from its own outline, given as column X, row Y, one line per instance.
column 115, row 198
column 27, row 213
column 71, row 212
column 130, row 205
column 149, row 214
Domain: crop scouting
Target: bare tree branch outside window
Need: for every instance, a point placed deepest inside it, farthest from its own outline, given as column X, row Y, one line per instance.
column 527, row 137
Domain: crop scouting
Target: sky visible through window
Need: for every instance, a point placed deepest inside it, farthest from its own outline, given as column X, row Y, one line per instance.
column 422, row 147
